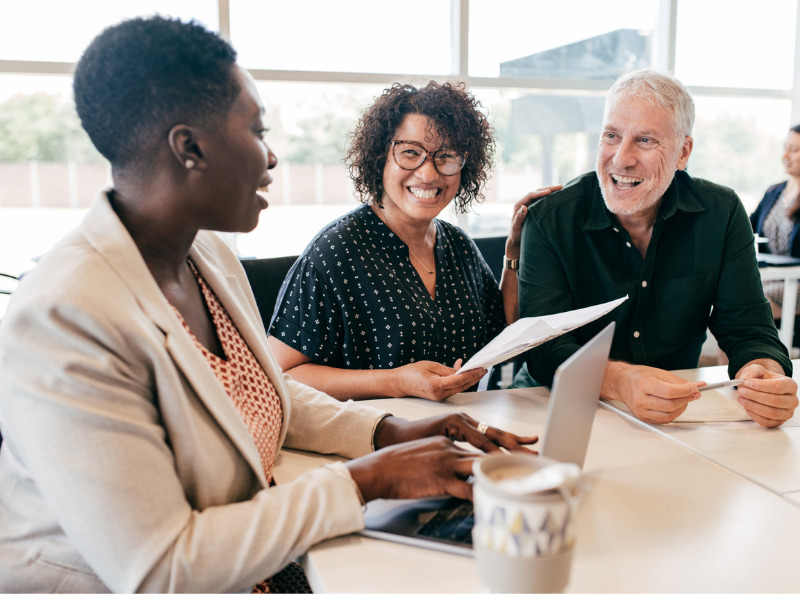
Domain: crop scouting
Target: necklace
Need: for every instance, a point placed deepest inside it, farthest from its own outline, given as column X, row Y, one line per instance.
column 422, row 264
column 419, row 261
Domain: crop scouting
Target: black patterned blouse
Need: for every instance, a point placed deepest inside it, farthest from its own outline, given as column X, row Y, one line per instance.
column 353, row 299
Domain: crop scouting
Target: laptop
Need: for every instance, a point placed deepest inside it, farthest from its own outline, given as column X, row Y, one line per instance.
column 776, row 260
column 445, row 523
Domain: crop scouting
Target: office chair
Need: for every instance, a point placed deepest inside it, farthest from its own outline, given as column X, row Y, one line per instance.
column 7, row 285
column 493, row 248
column 3, row 284
column 5, row 290
column 266, row 276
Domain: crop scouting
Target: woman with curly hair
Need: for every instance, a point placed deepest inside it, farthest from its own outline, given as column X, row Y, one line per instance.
column 385, row 298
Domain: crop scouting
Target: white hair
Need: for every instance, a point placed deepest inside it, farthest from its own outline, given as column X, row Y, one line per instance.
column 661, row 88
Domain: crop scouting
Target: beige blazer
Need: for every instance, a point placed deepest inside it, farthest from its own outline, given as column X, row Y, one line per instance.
column 124, row 465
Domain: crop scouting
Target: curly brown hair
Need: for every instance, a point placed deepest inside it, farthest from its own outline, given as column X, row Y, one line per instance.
column 458, row 119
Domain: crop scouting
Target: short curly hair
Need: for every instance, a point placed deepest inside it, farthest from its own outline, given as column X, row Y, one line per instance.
column 457, row 118
column 139, row 78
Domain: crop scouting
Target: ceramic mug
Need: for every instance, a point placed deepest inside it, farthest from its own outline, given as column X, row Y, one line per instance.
column 523, row 535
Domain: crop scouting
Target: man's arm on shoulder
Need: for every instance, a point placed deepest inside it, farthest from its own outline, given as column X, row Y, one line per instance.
column 767, row 394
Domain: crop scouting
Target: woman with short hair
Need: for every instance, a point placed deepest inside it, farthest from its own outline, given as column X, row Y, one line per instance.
column 141, row 409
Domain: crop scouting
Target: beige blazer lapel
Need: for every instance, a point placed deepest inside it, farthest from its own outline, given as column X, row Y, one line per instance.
column 111, row 239
column 234, row 292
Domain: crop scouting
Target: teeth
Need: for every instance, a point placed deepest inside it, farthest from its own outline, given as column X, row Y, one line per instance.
column 424, row 194
column 619, row 179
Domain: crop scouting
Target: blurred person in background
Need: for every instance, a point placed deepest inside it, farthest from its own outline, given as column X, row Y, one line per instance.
column 776, row 219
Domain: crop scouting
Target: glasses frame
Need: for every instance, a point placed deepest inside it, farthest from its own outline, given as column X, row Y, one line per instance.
column 426, row 154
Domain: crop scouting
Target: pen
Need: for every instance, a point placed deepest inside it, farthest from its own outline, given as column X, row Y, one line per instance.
column 721, row 384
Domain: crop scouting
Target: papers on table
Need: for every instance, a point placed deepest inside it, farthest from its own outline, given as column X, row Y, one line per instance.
column 714, row 406
column 531, row 331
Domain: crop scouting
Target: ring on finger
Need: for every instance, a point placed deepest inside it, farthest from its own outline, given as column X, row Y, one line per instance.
column 483, row 426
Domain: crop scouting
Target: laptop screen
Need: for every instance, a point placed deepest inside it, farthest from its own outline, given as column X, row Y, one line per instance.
column 445, row 523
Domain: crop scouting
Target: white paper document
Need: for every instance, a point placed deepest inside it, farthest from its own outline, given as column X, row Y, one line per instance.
column 531, row 331
column 713, row 406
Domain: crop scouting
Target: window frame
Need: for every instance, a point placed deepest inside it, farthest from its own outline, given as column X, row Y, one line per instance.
column 664, row 52
column 663, row 59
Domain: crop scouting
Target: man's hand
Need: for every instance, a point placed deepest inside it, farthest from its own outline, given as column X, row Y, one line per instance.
column 652, row 395
column 768, row 396
column 432, row 380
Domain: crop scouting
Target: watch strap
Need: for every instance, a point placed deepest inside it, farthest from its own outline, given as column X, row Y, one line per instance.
column 511, row 263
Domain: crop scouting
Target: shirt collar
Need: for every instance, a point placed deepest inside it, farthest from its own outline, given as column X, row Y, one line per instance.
column 677, row 197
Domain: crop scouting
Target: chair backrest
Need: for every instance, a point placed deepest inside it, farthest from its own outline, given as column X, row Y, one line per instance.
column 8, row 283
column 5, row 278
column 266, row 276
column 493, row 249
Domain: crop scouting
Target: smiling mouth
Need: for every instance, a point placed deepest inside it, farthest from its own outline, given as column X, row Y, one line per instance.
column 429, row 194
column 626, row 182
column 263, row 187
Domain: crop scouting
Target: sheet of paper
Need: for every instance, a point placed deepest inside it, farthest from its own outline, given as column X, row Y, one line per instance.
column 715, row 406
column 712, row 406
column 531, row 331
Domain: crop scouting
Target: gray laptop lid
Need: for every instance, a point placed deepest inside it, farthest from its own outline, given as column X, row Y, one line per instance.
column 573, row 400
column 570, row 415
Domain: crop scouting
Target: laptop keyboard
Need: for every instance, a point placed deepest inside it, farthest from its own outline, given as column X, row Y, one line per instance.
column 452, row 523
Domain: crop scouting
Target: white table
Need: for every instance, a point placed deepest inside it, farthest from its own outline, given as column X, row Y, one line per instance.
column 659, row 517
column 768, row 457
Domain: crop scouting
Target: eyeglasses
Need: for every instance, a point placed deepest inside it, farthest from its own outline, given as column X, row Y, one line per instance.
column 411, row 155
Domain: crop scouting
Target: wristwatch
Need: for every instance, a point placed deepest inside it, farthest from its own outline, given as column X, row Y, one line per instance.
column 511, row 263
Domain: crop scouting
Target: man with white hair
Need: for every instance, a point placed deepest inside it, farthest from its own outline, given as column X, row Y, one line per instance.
column 680, row 248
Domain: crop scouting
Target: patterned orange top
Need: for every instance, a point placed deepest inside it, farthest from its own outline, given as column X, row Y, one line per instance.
column 243, row 378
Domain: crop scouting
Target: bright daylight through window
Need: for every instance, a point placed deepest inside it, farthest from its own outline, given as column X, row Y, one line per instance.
column 540, row 69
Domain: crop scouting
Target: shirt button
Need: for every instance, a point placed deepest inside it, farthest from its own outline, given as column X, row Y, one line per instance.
column 636, row 334
column 615, row 229
column 628, row 244
column 644, row 284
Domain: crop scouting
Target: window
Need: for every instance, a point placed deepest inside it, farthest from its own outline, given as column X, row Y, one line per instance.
column 34, row 30
column 360, row 36
column 309, row 124
column 718, row 46
column 540, row 69
column 571, row 39
column 739, row 143
column 49, row 170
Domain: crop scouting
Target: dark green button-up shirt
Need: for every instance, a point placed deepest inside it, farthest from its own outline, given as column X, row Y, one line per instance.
column 699, row 273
